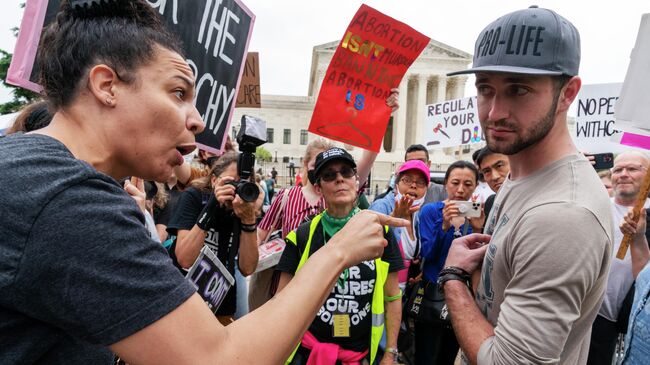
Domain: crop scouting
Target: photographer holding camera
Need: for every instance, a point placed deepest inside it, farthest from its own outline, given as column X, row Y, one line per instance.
column 212, row 213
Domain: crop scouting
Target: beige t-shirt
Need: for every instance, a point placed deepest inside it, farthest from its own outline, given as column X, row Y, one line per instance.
column 545, row 271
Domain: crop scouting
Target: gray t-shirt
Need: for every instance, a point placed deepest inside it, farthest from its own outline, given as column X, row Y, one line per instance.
column 78, row 270
column 435, row 193
column 545, row 271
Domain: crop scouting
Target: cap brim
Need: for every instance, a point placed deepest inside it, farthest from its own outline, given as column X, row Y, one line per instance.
column 506, row 69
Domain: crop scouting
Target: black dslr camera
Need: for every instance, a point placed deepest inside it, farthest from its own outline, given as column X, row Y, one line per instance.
column 251, row 135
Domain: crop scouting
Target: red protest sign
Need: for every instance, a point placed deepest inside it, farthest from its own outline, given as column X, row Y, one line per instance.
column 373, row 56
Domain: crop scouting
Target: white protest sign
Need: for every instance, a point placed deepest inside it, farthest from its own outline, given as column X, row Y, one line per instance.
column 633, row 107
column 452, row 123
column 594, row 118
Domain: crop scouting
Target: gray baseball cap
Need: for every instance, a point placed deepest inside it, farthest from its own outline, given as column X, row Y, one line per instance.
column 532, row 41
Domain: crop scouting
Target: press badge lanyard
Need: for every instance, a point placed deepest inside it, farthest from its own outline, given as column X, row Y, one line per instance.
column 340, row 321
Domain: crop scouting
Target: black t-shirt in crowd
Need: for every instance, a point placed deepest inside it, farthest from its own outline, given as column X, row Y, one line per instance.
column 78, row 270
column 487, row 207
column 352, row 294
column 164, row 215
column 219, row 238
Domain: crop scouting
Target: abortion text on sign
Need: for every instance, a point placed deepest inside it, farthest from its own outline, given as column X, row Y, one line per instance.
column 371, row 59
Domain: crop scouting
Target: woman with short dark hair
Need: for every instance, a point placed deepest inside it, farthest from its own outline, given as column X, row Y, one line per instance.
column 79, row 275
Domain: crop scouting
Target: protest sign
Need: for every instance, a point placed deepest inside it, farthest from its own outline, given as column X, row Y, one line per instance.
column 215, row 36
column 633, row 107
column 371, row 59
column 210, row 278
column 594, row 118
column 249, row 87
column 452, row 123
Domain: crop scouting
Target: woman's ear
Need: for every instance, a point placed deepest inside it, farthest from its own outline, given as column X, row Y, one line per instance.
column 102, row 81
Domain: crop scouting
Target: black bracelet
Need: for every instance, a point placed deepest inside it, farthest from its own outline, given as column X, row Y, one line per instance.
column 249, row 227
column 442, row 279
column 454, row 270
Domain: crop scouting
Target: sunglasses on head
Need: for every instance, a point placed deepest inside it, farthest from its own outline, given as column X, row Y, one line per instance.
column 330, row 174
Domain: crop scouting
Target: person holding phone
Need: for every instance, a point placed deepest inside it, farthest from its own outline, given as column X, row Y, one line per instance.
column 440, row 223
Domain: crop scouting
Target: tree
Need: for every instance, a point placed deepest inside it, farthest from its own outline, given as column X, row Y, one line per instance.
column 262, row 154
column 20, row 96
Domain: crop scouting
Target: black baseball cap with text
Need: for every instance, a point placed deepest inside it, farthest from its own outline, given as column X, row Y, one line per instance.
column 333, row 154
column 532, row 41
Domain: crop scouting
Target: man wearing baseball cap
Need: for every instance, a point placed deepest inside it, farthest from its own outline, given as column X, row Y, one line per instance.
column 550, row 232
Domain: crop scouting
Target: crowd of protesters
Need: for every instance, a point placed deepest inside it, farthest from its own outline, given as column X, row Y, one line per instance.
column 511, row 260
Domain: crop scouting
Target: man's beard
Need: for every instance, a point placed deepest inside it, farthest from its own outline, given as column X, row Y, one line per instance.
column 521, row 142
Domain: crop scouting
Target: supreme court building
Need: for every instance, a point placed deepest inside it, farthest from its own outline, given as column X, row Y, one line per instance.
column 425, row 82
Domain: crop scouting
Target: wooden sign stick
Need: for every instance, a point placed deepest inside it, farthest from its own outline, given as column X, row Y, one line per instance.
column 638, row 205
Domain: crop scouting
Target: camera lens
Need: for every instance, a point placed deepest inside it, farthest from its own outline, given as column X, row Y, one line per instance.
column 248, row 191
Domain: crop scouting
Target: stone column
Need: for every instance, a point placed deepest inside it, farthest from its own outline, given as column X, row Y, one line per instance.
column 420, row 111
column 459, row 90
column 442, row 89
column 399, row 117
column 320, row 75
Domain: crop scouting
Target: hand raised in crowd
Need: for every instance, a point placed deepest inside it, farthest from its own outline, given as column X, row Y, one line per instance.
column 467, row 252
column 362, row 238
column 590, row 157
column 135, row 188
column 393, row 99
column 451, row 215
column 247, row 211
column 632, row 227
column 404, row 209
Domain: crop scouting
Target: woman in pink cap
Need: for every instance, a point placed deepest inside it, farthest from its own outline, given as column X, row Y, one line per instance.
column 411, row 185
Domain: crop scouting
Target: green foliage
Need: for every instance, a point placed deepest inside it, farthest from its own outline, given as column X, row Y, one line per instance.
column 261, row 154
column 20, row 96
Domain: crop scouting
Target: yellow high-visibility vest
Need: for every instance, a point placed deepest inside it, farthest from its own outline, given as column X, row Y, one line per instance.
column 377, row 305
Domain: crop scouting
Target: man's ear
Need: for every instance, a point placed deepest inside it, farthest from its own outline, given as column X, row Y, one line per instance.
column 102, row 82
column 317, row 188
column 569, row 93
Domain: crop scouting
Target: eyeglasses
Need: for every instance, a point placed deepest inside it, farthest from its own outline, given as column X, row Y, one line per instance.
column 330, row 175
column 630, row 169
column 418, row 182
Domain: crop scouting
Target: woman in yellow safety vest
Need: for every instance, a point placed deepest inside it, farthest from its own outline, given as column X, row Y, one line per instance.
column 349, row 326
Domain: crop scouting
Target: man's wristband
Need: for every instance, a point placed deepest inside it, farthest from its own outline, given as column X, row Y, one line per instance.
column 454, row 270
column 442, row 279
column 248, row 227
